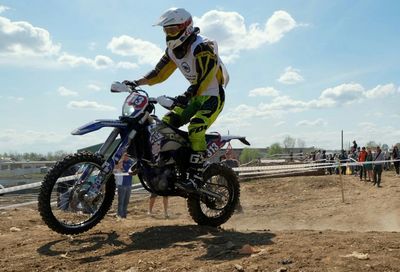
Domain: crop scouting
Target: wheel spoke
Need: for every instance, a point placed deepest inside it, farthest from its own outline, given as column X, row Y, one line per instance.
column 69, row 207
column 63, row 203
column 212, row 206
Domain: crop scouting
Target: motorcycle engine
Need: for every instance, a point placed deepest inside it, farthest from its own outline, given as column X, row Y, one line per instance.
column 164, row 141
column 159, row 179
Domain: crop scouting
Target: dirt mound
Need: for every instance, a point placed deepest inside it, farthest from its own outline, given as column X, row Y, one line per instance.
column 296, row 223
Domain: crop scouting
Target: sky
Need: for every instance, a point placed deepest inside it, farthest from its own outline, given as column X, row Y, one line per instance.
column 304, row 69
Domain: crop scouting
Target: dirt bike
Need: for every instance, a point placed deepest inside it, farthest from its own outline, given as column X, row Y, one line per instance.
column 79, row 190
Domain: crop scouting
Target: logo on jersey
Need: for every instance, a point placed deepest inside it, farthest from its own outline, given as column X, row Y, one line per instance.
column 185, row 67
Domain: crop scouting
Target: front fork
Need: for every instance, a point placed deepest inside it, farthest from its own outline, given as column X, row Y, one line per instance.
column 91, row 188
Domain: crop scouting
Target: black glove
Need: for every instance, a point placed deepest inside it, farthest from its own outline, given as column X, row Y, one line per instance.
column 191, row 91
column 182, row 100
column 186, row 96
column 130, row 83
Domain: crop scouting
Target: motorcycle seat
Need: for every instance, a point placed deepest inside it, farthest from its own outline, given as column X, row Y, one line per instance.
column 209, row 136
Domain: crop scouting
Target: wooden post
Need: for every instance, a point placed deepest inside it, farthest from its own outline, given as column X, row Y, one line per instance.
column 341, row 180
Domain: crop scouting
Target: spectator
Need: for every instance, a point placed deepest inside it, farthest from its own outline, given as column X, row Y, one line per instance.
column 396, row 156
column 378, row 165
column 152, row 200
column 318, row 156
column 343, row 160
column 386, row 165
column 354, row 157
column 124, row 185
column 362, row 156
column 368, row 166
column 323, row 156
column 331, row 160
column 354, row 147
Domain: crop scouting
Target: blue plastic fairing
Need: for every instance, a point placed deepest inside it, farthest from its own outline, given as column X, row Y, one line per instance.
column 98, row 124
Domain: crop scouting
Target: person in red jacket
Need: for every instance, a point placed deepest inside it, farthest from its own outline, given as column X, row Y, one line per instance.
column 362, row 156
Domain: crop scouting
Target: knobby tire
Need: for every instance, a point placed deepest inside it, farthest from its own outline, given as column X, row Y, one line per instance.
column 48, row 184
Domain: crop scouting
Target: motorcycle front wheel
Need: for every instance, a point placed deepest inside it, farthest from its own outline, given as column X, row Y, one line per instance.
column 61, row 201
column 213, row 211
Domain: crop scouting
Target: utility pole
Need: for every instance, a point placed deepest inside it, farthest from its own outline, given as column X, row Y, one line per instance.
column 342, row 140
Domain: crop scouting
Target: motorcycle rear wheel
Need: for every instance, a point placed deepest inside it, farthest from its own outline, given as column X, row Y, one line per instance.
column 209, row 211
column 55, row 209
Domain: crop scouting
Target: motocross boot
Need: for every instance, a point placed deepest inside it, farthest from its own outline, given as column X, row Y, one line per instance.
column 195, row 171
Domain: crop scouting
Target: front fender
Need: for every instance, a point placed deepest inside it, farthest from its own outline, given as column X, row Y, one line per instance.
column 98, row 124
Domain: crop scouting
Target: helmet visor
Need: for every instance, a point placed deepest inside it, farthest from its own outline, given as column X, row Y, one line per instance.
column 173, row 30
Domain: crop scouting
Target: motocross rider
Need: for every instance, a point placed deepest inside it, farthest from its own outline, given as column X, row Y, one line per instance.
column 197, row 58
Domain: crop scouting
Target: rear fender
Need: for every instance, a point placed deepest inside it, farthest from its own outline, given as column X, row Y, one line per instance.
column 215, row 142
column 240, row 138
column 98, row 124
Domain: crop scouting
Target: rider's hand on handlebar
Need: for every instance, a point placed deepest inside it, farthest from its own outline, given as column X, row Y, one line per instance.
column 182, row 100
column 131, row 83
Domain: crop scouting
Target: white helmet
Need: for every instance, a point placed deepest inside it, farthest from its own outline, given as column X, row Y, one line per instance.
column 178, row 26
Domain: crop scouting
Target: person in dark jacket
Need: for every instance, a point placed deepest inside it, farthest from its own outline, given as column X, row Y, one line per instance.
column 378, row 166
column 396, row 156
column 343, row 160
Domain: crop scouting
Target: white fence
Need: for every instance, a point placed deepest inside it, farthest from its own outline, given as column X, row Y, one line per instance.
column 243, row 172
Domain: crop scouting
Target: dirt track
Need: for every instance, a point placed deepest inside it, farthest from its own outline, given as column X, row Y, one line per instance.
column 297, row 224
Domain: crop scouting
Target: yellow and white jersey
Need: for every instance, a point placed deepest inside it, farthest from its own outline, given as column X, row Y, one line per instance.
column 201, row 66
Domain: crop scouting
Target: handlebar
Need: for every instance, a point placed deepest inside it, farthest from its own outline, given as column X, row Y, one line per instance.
column 166, row 101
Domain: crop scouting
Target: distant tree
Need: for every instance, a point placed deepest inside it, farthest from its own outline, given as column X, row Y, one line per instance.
column 59, row 154
column 32, row 156
column 249, row 154
column 275, row 148
column 385, row 147
column 289, row 142
column 301, row 143
column 371, row 144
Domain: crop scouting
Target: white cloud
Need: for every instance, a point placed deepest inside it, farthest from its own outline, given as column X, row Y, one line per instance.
column 11, row 136
column 84, row 104
column 267, row 91
column 94, row 87
column 280, row 105
column 230, row 31
column 291, row 76
column 3, row 8
column 127, row 65
column 22, row 38
column 368, row 126
column 28, row 45
column 308, row 123
column 395, row 115
column 146, row 52
column 66, row 92
column 343, row 94
column 381, row 91
column 73, row 61
column 22, row 140
column 15, row 98
column 281, row 123
column 99, row 62
column 340, row 95
column 285, row 103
